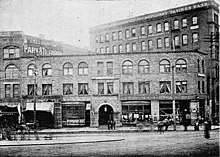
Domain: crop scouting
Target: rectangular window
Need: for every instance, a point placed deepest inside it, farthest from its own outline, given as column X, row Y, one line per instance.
column 165, row 87
column 184, row 23
column 120, row 49
column 144, row 87
column 185, row 39
column 6, row 53
column 107, row 37
column 143, row 46
column 11, row 53
column 100, row 88
column 127, row 48
column 195, row 37
column 150, row 29
column 176, row 41
column 134, row 47
column 159, row 43
column 142, row 30
column 31, row 89
column 195, row 20
column 150, row 45
column 100, row 67
column 166, row 42
column 107, row 49
column 7, row 90
column 203, row 86
column 83, row 89
column 159, row 27
column 113, row 36
column 128, row 88
column 67, row 89
column 109, row 68
column 119, row 35
column 96, row 39
column 181, row 87
column 176, row 24
column 199, row 90
column 101, row 50
column 127, row 35
column 46, row 89
column 216, row 18
column 166, row 26
column 101, row 38
column 110, row 88
column 114, row 50
column 133, row 32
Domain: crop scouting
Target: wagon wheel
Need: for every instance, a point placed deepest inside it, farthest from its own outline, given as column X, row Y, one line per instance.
column 140, row 127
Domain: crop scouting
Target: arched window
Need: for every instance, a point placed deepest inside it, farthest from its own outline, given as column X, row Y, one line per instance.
column 30, row 70
column 143, row 67
column 11, row 52
column 164, row 66
column 83, row 68
column 181, row 65
column 127, row 67
column 67, row 69
column 11, row 71
column 46, row 69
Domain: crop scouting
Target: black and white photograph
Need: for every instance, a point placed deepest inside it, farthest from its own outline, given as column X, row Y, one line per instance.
column 109, row 78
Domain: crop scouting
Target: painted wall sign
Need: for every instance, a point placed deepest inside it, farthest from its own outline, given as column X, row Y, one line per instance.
column 41, row 50
column 10, row 34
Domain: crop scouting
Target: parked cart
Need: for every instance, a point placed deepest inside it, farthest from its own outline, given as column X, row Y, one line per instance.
column 146, row 126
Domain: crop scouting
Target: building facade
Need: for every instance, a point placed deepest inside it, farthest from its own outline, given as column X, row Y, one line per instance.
column 152, row 66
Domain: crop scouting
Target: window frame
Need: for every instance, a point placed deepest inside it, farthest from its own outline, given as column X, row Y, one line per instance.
column 127, row 67
column 143, row 68
column 164, row 67
column 67, row 69
column 84, row 68
column 159, row 28
column 47, row 71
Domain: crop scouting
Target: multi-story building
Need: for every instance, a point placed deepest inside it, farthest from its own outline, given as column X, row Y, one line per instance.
column 152, row 66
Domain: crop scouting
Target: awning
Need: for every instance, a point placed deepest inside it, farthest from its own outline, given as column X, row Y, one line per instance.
column 136, row 103
column 42, row 106
column 9, row 104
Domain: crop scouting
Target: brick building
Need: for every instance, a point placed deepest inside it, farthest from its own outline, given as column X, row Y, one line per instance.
column 145, row 67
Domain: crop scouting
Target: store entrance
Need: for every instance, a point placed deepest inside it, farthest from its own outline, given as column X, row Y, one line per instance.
column 105, row 114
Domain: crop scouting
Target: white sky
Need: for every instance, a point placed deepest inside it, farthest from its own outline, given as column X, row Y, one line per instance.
column 69, row 20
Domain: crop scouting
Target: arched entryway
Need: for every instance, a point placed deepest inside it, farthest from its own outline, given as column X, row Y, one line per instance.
column 105, row 114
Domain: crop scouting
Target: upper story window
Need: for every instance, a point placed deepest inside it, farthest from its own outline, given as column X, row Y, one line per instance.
column 198, row 65
column 143, row 30
column 100, row 88
column 181, row 87
column 150, row 45
column 106, row 37
column 166, row 42
column 16, row 90
column 46, row 89
column 11, row 71
column 185, row 39
column 143, row 46
column 107, row 49
column 120, row 49
column 184, row 23
column 176, row 24
column 83, row 68
column 109, row 68
column 127, row 47
column 11, row 52
column 46, row 69
column 101, row 38
column 110, row 88
column 143, row 87
column 101, row 50
column 164, row 66
column 67, row 89
column 143, row 67
column 120, row 35
column 7, row 90
column 67, row 69
column 195, row 37
column 159, row 27
column 203, row 66
column 159, row 43
column 165, row 87
column 113, row 36
column 96, row 39
column 127, row 67
column 166, row 26
column 181, row 65
column 100, row 67
column 31, row 70
column 83, row 88
column 194, row 20
column 134, row 48
column 149, row 29
column 215, row 18
column 31, row 89
column 127, row 34
column 114, row 49
column 128, row 88
column 133, row 32
column 176, row 41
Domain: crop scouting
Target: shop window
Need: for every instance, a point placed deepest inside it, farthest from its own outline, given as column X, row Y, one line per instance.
column 166, row 42
column 127, row 34
column 133, row 32
column 176, row 24
column 7, row 90
column 31, row 89
column 134, row 48
column 143, row 67
column 120, row 35
column 166, row 26
column 142, row 30
column 83, row 89
column 114, row 50
column 67, row 89
column 159, row 43
column 144, row 87
column 31, row 70
column 143, row 46
column 165, row 87
column 109, row 68
column 100, row 88
column 176, row 41
column 195, row 37
column 184, row 23
column 203, row 86
column 113, row 36
column 164, row 66
column 11, row 71
column 181, row 66
column 181, row 87
column 83, row 68
column 68, row 69
column 46, row 89
column 46, row 70
column 107, row 49
column 101, row 38
column 150, row 45
column 110, row 88
column 101, row 50
column 100, row 68
column 194, row 20
column 106, row 37
column 149, row 29
column 11, row 52
column 16, row 92
column 127, row 67
column 128, row 88
column 159, row 27
column 185, row 39
column 96, row 39
column 199, row 89
column 127, row 47
column 120, row 49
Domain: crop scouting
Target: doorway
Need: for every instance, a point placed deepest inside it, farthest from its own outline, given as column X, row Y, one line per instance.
column 105, row 114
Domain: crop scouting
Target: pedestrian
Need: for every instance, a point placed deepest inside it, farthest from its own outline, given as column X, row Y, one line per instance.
column 109, row 124
column 207, row 128
column 186, row 121
column 113, row 124
column 196, row 125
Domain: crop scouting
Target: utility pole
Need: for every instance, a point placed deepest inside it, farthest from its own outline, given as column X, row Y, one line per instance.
column 174, row 104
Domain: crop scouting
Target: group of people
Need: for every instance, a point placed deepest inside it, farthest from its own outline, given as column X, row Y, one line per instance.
column 111, row 124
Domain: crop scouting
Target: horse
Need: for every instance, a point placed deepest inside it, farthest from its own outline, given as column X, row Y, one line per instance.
column 164, row 123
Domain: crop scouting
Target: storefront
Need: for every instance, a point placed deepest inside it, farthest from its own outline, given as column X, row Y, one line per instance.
column 133, row 111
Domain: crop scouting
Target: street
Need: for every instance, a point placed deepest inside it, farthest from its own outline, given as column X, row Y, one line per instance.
column 170, row 143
